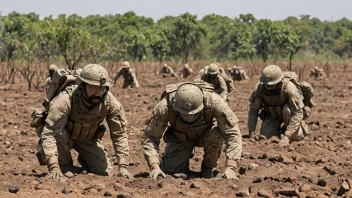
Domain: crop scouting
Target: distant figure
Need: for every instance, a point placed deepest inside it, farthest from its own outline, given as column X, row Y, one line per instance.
column 186, row 71
column 317, row 73
column 52, row 69
column 167, row 71
column 130, row 79
column 238, row 73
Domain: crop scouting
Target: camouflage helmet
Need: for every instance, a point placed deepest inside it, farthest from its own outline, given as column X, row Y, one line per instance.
column 94, row 74
column 126, row 64
column 186, row 66
column 213, row 69
column 271, row 75
column 235, row 66
column 316, row 68
column 165, row 65
column 188, row 99
column 52, row 67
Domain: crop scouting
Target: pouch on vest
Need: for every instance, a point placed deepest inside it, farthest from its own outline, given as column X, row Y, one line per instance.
column 38, row 117
column 100, row 132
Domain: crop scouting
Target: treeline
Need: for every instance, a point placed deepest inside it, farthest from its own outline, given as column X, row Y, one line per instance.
column 111, row 38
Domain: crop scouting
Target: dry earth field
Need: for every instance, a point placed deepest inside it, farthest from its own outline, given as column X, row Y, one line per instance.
column 318, row 166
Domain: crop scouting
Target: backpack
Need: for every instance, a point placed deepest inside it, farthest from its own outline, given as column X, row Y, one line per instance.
column 61, row 80
column 305, row 88
column 228, row 80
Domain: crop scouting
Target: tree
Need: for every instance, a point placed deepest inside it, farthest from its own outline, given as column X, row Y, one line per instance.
column 264, row 33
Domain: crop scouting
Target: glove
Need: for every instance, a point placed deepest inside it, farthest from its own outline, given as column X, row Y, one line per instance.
column 156, row 171
column 123, row 172
column 229, row 173
column 251, row 135
column 285, row 141
column 55, row 173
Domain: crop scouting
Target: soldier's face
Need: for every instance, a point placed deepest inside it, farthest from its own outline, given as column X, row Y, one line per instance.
column 271, row 87
column 213, row 76
column 94, row 92
column 188, row 117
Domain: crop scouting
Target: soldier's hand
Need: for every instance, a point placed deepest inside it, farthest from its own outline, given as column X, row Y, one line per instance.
column 123, row 172
column 229, row 173
column 156, row 171
column 56, row 173
column 285, row 141
column 252, row 135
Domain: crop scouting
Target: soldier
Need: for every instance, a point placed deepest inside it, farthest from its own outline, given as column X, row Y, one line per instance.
column 210, row 74
column 277, row 101
column 186, row 71
column 75, row 121
column 129, row 76
column 238, row 74
column 317, row 73
column 167, row 71
column 52, row 69
column 194, row 116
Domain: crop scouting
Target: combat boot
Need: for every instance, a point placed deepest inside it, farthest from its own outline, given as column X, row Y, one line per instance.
column 206, row 172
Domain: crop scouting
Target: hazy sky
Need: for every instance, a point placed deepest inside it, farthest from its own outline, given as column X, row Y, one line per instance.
column 272, row 9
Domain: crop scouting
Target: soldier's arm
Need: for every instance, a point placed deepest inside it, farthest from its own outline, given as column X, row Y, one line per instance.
column 55, row 129
column 223, row 88
column 256, row 104
column 295, row 101
column 116, row 120
column 228, row 125
column 199, row 77
column 156, row 125
column 117, row 76
column 134, row 78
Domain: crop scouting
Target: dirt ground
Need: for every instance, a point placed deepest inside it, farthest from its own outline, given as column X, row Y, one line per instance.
column 315, row 167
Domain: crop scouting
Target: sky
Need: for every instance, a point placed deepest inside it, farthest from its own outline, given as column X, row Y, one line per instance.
column 330, row 10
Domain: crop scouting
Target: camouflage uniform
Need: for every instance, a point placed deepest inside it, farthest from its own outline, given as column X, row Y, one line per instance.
column 238, row 74
column 186, row 71
column 70, row 124
column 129, row 76
column 219, row 82
column 285, row 105
column 166, row 71
column 215, row 123
column 317, row 73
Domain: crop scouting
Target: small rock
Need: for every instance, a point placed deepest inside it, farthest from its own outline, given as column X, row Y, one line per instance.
column 343, row 188
column 99, row 187
column 81, row 186
column 264, row 156
column 287, row 191
column 107, row 193
column 160, row 185
column 8, row 144
column 243, row 192
column 20, row 158
column 66, row 191
column 68, row 174
column 194, row 185
column 275, row 140
column 262, row 137
column 252, row 166
column 257, row 180
column 180, row 175
column 24, row 133
column 330, row 170
column 242, row 170
column 322, row 182
column 263, row 193
column 14, row 189
column 234, row 187
column 349, row 181
column 319, row 161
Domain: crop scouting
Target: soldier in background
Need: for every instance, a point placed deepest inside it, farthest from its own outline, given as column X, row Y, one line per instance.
column 167, row 71
column 130, row 79
column 186, row 71
column 52, row 69
column 193, row 116
column 317, row 73
column 279, row 103
column 238, row 74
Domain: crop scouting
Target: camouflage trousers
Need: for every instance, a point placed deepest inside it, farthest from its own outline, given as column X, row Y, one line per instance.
column 177, row 153
column 271, row 126
column 128, row 83
column 92, row 154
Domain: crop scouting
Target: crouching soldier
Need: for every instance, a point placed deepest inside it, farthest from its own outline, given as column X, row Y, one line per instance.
column 75, row 119
column 193, row 116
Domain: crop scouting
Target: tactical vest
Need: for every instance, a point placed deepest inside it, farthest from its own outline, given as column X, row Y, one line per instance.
column 190, row 132
column 222, row 73
column 82, row 126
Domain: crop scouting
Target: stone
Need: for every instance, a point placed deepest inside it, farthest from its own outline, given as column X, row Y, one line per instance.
column 252, row 166
column 234, row 187
column 243, row 192
column 242, row 170
column 107, row 193
column 330, row 170
column 257, row 180
column 322, row 182
column 180, row 175
column 286, row 191
column 68, row 174
column 81, row 186
column 14, row 189
column 194, row 185
column 66, row 191
column 263, row 193
column 343, row 188
column 99, row 186
column 305, row 188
